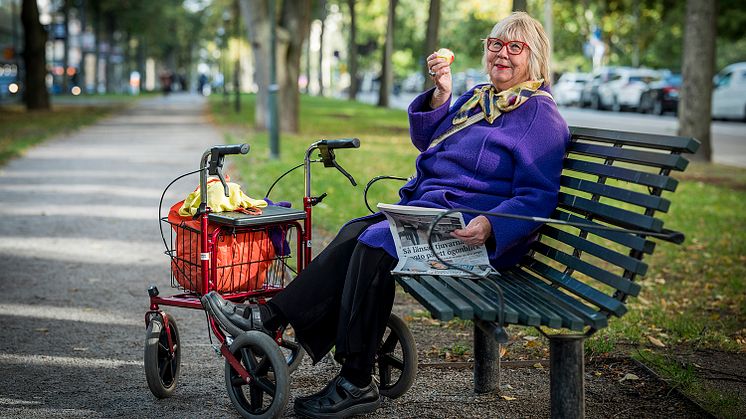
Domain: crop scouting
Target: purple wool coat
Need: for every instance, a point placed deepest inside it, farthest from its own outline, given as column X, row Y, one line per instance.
column 510, row 166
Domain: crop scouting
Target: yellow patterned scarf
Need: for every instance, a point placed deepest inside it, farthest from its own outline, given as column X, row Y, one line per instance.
column 495, row 103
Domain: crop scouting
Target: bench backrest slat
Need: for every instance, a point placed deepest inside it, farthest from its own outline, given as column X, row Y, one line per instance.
column 602, row 252
column 593, row 271
column 620, row 194
column 609, row 213
column 650, row 158
column 611, row 179
column 631, row 241
column 663, row 142
column 652, row 180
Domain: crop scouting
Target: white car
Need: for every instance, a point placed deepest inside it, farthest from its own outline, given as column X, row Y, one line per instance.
column 625, row 87
column 729, row 96
column 568, row 88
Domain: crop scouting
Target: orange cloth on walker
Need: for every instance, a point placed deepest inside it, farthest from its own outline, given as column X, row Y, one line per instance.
column 241, row 260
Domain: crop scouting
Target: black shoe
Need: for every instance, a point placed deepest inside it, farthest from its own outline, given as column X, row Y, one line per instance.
column 339, row 399
column 234, row 318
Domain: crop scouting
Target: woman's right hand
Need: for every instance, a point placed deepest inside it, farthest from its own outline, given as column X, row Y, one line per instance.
column 442, row 79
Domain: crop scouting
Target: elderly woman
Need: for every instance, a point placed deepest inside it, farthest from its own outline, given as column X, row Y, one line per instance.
column 499, row 148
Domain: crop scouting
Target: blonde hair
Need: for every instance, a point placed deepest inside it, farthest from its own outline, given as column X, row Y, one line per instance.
column 520, row 26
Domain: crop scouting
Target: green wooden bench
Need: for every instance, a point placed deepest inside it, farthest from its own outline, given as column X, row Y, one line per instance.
column 574, row 278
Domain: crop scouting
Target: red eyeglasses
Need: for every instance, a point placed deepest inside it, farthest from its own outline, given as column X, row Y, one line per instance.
column 497, row 44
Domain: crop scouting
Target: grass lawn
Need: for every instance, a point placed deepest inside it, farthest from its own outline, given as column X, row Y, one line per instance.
column 694, row 295
column 21, row 129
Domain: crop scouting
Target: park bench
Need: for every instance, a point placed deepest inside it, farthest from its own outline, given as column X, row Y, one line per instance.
column 574, row 278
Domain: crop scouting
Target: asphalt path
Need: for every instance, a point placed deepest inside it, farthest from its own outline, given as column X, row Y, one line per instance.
column 80, row 243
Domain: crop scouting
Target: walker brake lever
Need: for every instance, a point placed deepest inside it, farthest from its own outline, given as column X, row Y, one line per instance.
column 344, row 172
column 225, row 185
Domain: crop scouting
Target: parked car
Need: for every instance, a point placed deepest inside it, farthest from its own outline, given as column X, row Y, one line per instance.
column 624, row 88
column 589, row 95
column 661, row 96
column 729, row 96
column 568, row 88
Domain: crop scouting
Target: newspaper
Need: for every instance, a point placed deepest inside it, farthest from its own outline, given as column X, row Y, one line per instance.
column 409, row 227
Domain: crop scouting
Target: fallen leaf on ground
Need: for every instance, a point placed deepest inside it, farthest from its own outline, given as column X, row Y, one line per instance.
column 656, row 342
column 508, row 397
column 629, row 376
column 538, row 366
column 503, row 351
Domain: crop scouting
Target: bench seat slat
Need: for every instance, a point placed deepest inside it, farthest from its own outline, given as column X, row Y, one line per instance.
column 461, row 308
column 608, row 213
column 576, row 287
column 436, row 306
column 630, row 240
column 620, row 194
column 526, row 315
column 657, row 141
column 648, row 158
column 510, row 315
column 552, row 316
column 622, row 173
column 482, row 309
column 590, row 316
column 544, row 316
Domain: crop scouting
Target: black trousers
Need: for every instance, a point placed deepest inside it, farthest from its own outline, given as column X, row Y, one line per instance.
column 343, row 298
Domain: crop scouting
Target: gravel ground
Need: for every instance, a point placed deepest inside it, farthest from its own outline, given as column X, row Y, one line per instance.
column 80, row 244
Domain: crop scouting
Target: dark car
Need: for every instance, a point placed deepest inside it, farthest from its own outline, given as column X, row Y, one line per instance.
column 661, row 96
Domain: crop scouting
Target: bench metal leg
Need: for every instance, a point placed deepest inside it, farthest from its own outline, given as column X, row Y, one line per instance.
column 566, row 376
column 486, row 358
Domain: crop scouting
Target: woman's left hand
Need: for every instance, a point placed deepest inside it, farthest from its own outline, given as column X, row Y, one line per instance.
column 476, row 232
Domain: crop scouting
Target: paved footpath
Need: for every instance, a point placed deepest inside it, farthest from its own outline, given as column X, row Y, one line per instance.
column 79, row 244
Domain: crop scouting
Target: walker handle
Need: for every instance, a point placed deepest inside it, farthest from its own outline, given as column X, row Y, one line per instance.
column 341, row 143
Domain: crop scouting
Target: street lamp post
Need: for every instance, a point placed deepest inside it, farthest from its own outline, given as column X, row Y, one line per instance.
column 237, row 68
column 274, row 133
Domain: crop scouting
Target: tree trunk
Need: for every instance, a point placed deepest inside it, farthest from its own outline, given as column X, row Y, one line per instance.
column 387, row 74
column 109, row 68
column 97, row 22
column 352, row 53
column 296, row 20
column 520, row 6
column 321, row 49
column 35, row 95
column 431, row 40
column 256, row 15
column 237, row 68
column 698, row 68
column 66, row 47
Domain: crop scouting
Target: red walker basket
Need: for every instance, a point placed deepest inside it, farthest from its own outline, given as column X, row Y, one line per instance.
column 242, row 260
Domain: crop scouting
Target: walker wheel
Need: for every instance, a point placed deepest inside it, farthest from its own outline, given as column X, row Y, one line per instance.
column 162, row 365
column 396, row 359
column 266, row 395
